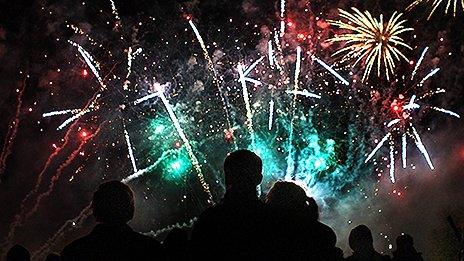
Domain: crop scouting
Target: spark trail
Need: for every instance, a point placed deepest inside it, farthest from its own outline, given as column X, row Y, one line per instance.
column 12, row 130
column 114, row 10
column 58, row 173
column 75, row 222
column 148, row 169
column 130, row 57
column 246, row 98
column 419, row 62
column 216, row 81
column 90, row 61
column 77, row 113
column 129, row 147
column 195, row 163
column 22, row 208
column 188, row 147
column 271, row 114
column 282, row 18
column 404, row 144
column 290, row 159
column 331, row 70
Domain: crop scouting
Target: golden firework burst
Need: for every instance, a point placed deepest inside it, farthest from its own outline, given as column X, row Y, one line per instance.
column 371, row 41
column 451, row 5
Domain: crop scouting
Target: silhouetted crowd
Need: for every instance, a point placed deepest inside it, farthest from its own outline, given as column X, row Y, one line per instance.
column 240, row 227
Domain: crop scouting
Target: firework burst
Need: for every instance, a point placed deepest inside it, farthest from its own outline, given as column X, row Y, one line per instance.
column 371, row 41
column 450, row 6
column 405, row 111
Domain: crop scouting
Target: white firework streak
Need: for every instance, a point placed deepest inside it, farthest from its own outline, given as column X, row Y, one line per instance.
column 270, row 53
column 130, row 56
column 419, row 62
column 290, row 160
column 331, row 70
column 129, row 148
column 243, row 73
column 392, row 162
column 282, row 17
column 305, row 93
column 445, row 111
column 271, row 114
column 379, row 145
column 246, row 98
column 63, row 112
column 432, row 73
column 393, row 122
column 188, row 147
column 411, row 105
column 90, row 61
column 73, row 118
column 404, row 144
column 276, row 41
column 77, row 113
column 114, row 10
column 422, row 148
column 147, row 169
column 431, row 93
column 146, row 98
column 213, row 70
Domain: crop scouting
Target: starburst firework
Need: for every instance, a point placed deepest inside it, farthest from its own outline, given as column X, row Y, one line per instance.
column 450, row 5
column 371, row 41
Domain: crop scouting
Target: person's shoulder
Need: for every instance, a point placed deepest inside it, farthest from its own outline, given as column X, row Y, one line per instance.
column 147, row 240
column 351, row 258
column 212, row 212
column 386, row 258
column 76, row 246
column 146, row 246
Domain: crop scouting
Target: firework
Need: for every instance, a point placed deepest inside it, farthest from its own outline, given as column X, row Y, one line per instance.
column 290, row 159
column 282, row 17
column 371, row 41
column 450, row 6
column 180, row 131
column 129, row 148
column 12, row 130
column 243, row 72
column 214, row 72
column 331, row 70
column 271, row 114
column 404, row 124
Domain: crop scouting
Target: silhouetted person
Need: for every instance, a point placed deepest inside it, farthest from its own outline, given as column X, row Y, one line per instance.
column 53, row 257
column 112, row 238
column 18, row 253
column 176, row 245
column 405, row 250
column 235, row 228
column 297, row 234
column 362, row 244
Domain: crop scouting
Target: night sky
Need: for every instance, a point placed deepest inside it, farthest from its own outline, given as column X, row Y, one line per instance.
column 48, row 173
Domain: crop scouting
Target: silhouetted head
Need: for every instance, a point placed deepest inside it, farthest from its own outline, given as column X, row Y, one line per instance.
column 113, row 203
column 313, row 209
column 287, row 196
column 53, row 257
column 177, row 238
column 243, row 170
column 18, row 253
column 360, row 239
column 404, row 242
